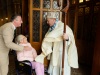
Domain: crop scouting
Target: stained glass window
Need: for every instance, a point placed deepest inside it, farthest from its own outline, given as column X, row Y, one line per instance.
column 45, row 26
column 36, row 3
column 80, row 11
column 39, row 15
column 46, row 3
column 36, row 26
column 96, row 9
column 55, row 6
column 87, row 9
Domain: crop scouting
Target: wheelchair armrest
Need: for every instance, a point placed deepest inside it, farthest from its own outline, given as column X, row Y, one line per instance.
column 27, row 62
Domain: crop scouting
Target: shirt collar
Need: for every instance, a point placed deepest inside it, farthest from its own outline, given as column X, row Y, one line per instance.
column 13, row 26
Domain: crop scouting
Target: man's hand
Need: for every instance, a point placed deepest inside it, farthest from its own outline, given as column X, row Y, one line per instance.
column 65, row 36
column 27, row 48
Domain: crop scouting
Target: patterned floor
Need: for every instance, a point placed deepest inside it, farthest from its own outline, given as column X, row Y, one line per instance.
column 83, row 70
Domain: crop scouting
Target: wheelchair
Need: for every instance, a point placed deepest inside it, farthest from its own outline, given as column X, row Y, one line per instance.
column 23, row 67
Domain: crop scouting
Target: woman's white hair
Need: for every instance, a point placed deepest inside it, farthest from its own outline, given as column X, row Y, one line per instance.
column 19, row 38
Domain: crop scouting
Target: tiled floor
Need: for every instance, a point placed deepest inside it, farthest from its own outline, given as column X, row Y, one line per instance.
column 83, row 70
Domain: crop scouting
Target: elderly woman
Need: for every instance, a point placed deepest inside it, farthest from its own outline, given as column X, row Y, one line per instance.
column 29, row 55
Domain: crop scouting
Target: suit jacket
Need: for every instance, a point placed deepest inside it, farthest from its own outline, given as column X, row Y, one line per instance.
column 6, row 38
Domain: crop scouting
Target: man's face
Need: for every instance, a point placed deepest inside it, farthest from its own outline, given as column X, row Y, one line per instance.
column 51, row 21
column 18, row 21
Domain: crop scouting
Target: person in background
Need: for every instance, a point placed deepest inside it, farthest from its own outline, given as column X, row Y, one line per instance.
column 29, row 55
column 52, row 47
column 6, row 42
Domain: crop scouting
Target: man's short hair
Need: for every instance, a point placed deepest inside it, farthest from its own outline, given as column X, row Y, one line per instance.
column 14, row 17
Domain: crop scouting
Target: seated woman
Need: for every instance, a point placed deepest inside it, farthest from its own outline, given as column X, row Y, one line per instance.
column 29, row 55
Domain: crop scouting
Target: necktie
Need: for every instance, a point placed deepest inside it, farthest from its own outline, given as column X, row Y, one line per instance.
column 14, row 35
